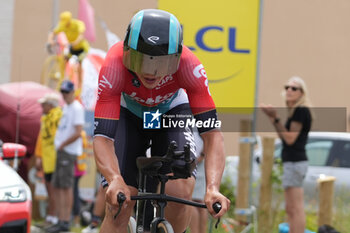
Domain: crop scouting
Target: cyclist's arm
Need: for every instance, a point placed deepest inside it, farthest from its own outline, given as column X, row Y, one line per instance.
column 214, row 167
column 103, row 142
column 51, row 38
column 105, row 158
column 107, row 161
column 78, row 40
column 53, row 33
column 107, row 112
column 192, row 77
column 106, row 124
column 214, row 158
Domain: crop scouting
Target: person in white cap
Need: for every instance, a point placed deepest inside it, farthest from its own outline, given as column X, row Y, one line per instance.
column 69, row 146
column 45, row 151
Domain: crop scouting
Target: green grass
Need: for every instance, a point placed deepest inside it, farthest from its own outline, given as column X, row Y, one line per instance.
column 340, row 221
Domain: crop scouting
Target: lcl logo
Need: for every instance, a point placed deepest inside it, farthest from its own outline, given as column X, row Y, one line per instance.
column 232, row 40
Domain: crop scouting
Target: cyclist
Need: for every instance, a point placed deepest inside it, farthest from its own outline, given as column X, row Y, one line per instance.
column 74, row 30
column 152, row 72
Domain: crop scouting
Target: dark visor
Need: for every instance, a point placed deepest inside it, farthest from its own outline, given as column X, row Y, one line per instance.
column 158, row 66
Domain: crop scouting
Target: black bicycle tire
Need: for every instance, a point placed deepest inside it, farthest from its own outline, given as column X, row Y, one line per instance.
column 164, row 227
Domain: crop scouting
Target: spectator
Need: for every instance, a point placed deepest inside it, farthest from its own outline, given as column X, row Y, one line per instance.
column 97, row 212
column 45, row 149
column 79, row 171
column 74, row 30
column 294, row 136
column 69, row 145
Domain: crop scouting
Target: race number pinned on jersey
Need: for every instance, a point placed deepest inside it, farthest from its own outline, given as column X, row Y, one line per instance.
column 151, row 120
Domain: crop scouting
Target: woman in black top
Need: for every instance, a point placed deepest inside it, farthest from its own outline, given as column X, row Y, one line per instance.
column 294, row 136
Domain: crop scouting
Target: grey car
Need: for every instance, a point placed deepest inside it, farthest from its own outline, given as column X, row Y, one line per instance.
column 328, row 154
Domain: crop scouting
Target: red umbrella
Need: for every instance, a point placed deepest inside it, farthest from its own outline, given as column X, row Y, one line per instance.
column 20, row 113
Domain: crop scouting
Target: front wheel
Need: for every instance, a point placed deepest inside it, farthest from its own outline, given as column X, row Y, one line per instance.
column 164, row 227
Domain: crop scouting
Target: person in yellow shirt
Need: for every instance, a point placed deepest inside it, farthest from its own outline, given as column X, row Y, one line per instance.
column 74, row 30
column 45, row 151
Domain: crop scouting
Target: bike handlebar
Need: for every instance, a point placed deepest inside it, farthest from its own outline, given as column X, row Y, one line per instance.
column 171, row 154
column 121, row 198
column 163, row 197
column 217, row 207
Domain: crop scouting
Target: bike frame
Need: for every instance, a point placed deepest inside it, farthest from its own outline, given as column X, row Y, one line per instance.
column 151, row 167
column 159, row 201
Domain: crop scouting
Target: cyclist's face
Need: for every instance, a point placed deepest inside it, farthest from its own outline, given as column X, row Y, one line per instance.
column 149, row 81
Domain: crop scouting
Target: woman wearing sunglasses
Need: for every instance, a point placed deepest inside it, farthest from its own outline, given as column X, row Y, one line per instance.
column 294, row 136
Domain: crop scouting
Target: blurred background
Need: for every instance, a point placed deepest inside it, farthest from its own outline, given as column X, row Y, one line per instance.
column 254, row 47
column 304, row 38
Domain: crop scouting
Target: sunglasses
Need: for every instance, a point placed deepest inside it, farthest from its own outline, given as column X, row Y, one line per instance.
column 65, row 92
column 292, row 88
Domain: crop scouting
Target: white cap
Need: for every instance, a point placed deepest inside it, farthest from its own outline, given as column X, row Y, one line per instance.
column 50, row 98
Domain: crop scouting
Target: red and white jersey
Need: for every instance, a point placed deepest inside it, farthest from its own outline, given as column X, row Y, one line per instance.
column 119, row 87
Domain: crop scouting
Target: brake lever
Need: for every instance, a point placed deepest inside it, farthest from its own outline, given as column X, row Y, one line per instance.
column 120, row 198
column 171, row 148
column 217, row 207
column 217, row 223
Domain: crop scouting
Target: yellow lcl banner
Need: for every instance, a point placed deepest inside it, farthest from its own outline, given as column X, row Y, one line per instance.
column 223, row 34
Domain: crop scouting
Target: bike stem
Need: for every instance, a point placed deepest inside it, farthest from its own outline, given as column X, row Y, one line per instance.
column 160, row 205
column 163, row 179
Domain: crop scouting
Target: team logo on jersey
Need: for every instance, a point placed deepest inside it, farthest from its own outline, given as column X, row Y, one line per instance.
column 199, row 71
column 136, row 82
column 151, row 120
column 151, row 101
column 165, row 81
column 95, row 125
column 103, row 84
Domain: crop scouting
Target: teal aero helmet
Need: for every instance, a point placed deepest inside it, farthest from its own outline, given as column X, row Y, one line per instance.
column 153, row 43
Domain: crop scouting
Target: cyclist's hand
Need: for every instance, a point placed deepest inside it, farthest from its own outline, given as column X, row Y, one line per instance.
column 117, row 186
column 213, row 196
